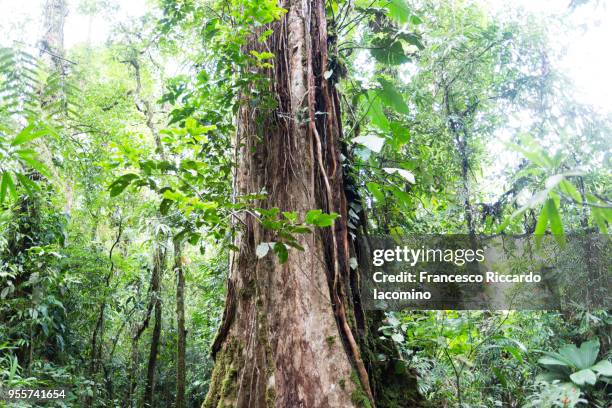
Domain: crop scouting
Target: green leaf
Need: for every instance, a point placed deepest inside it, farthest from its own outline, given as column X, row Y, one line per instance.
column 320, row 219
column 377, row 115
column 121, row 183
column 599, row 217
column 388, row 51
column 582, row 377
column 569, row 189
column 583, row 357
column 415, row 20
column 391, row 98
column 4, row 186
column 262, row 55
column 400, row 134
column 556, row 226
column 377, row 193
column 7, row 184
column 27, row 134
column 515, row 353
column 541, row 226
column 263, row 36
column 554, row 359
column 165, row 205
column 28, row 184
column 403, row 197
column 281, row 251
column 500, row 377
column 35, row 164
column 290, row 215
column 604, row 367
column 399, row 11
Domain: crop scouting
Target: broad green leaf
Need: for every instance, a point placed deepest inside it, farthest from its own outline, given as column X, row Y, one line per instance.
column 389, row 51
column 402, row 196
column 121, row 183
column 554, row 359
column 290, row 215
column 583, row 357
column 400, row 134
column 262, row 55
column 263, row 36
column 604, row 367
column 377, row 193
column 281, row 251
column 391, row 98
column 377, row 115
column 399, row 11
column 582, row 377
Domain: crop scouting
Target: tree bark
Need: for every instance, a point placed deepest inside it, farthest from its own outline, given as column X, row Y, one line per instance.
column 180, row 323
column 158, row 267
column 52, row 42
column 97, row 337
column 289, row 332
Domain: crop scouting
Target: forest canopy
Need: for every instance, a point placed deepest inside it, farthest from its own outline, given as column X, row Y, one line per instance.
column 190, row 189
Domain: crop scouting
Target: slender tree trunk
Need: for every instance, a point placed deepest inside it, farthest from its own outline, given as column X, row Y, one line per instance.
column 159, row 262
column 289, row 332
column 132, row 383
column 52, row 42
column 152, row 363
column 137, row 331
column 97, row 336
column 180, row 323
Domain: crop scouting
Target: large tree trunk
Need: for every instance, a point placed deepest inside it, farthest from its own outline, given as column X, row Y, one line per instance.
column 180, row 323
column 288, row 336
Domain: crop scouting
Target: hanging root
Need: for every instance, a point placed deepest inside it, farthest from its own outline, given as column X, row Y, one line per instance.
column 336, row 287
column 337, row 294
